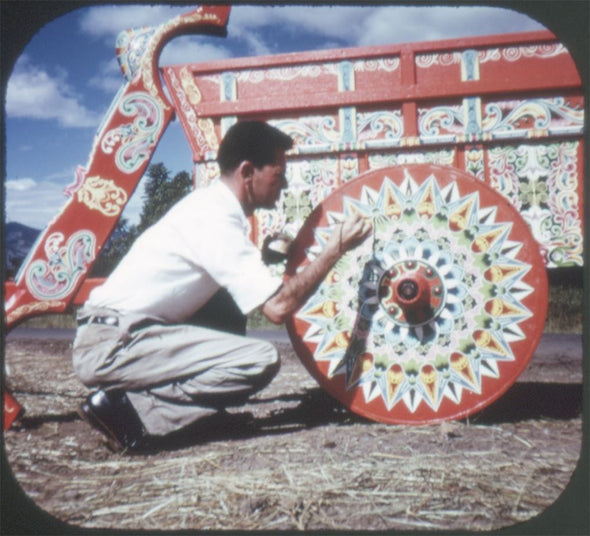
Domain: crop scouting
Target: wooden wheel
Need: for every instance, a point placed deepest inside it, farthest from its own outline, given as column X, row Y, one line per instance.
column 435, row 315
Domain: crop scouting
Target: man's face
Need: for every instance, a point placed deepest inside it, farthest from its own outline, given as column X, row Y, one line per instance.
column 268, row 182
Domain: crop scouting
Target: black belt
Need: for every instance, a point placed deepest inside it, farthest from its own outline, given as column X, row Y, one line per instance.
column 104, row 320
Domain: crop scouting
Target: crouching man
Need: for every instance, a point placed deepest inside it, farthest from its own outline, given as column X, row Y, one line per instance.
column 153, row 371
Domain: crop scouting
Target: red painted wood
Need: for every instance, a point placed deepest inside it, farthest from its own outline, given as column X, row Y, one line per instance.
column 408, row 86
column 277, row 98
column 12, row 409
column 324, row 331
column 109, row 169
column 353, row 53
column 54, row 272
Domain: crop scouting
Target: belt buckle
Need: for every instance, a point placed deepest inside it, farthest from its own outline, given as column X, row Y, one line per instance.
column 110, row 320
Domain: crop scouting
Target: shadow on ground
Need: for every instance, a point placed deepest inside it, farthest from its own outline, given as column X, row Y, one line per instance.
column 315, row 407
column 522, row 402
column 529, row 401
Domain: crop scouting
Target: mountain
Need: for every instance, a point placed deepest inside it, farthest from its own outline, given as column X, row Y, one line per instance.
column 18, row 240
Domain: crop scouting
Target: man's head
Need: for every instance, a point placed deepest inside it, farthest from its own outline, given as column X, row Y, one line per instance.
column 254, row 141
column 252, row 153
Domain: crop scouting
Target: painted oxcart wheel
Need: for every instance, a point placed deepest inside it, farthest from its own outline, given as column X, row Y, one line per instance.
column 433, row 317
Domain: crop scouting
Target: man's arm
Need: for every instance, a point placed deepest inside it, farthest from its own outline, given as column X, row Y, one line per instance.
column 293, row 293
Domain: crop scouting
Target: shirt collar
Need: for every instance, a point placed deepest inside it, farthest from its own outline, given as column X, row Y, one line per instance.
column 228, row 196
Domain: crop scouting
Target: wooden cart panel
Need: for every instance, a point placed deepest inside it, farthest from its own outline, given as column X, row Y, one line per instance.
column 508, row 109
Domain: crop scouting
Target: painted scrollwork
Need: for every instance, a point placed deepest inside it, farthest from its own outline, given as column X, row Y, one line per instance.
column 510, row 54
column 56, row 277
column 102, row 195
column 189, row 86
column 541, row 182
column 134, row 140
column 130, row 47
column 380, row 127
column 151, row 48
column 33, row 308
column 534, row 114
column 201, row 129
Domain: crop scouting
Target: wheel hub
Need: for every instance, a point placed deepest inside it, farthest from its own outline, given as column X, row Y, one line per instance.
column 411, row 293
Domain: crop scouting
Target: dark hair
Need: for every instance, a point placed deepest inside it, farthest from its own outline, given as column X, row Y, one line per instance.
column 254, row 141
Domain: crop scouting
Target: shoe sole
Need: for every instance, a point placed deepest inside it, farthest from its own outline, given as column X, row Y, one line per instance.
column 95, row 422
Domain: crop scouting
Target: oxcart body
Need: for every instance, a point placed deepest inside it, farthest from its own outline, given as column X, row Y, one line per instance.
column 466, row 154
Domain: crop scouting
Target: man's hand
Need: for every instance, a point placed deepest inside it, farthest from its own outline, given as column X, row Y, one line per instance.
column 350, row 233
column 301, row 285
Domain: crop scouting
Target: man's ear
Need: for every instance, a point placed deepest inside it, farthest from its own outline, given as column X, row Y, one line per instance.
column 246, row 170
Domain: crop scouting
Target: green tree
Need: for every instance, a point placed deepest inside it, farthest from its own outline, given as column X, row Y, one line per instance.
column 161, row 192
column 115, row 248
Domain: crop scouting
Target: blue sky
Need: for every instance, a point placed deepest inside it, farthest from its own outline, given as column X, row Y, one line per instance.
column 67, row 76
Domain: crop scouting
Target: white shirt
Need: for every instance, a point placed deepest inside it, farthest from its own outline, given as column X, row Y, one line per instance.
column 177, row 265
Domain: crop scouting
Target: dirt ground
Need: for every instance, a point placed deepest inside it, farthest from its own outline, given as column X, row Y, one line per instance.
column 295, row 459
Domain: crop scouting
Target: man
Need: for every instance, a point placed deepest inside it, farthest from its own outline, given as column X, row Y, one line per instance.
column 155, row 371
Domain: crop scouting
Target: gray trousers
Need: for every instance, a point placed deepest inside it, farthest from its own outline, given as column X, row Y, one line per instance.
column 173, row 374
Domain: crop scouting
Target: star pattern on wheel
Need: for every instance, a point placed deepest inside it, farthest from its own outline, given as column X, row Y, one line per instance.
column 476, row 305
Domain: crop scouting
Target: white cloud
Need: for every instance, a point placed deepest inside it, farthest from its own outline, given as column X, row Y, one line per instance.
column 410, row 24
column 357, row 25
column 33, row 202
column 252, row 27
column 20, row 185
column 325, row 20
column 368, row 25
column 109, row 77
column 195, row 49
column 329, row 21
column 37, row 202
column 35, row 94
column 107, row 21
column 251, row 22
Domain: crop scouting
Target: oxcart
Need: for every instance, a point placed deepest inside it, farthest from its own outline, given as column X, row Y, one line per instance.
column 466, row 154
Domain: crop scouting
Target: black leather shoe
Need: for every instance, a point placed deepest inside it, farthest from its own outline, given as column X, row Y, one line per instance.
column 111, row 413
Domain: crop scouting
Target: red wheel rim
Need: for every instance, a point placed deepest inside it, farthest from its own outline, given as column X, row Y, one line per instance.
column 437, row 314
